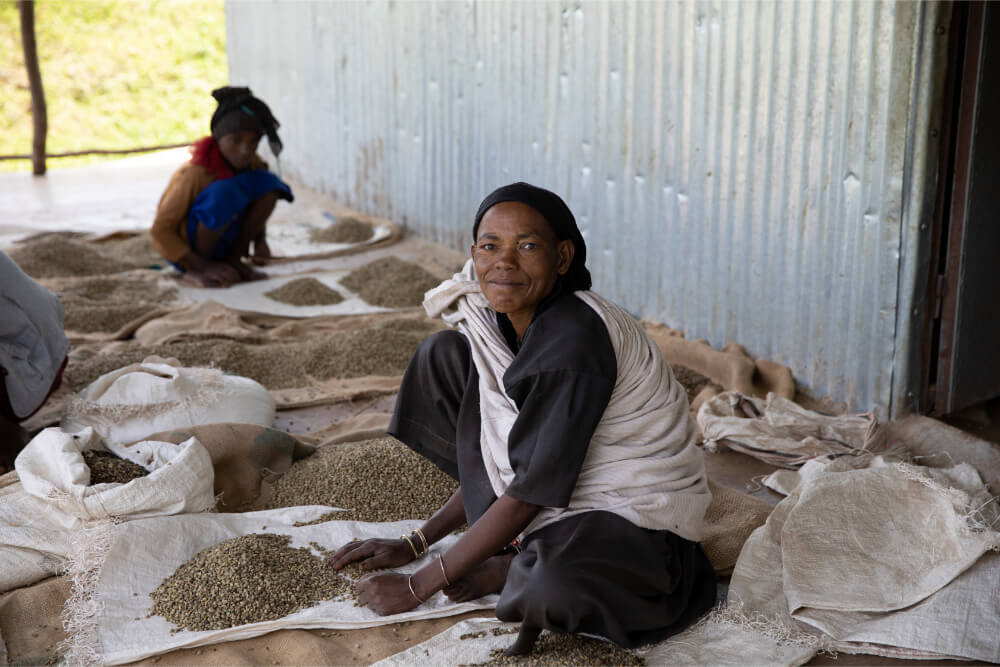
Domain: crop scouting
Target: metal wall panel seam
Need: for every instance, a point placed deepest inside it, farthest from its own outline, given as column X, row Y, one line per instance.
column 925, row 103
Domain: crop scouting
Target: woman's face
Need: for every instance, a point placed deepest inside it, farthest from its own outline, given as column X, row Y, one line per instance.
column 239, row 147
column 518, row 260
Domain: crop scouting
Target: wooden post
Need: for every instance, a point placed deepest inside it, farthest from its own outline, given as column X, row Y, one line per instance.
column 39, row 114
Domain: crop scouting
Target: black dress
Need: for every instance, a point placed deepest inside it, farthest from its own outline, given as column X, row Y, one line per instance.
column 594, row 572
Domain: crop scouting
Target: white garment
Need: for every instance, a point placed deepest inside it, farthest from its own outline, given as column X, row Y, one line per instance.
column 32, row 341
column 642, row 463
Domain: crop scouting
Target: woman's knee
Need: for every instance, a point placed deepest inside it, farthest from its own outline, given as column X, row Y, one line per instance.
column 544, row 586
column 263, row 206
column 443, row 350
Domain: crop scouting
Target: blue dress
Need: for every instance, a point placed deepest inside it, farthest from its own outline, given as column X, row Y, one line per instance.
column 223, row 204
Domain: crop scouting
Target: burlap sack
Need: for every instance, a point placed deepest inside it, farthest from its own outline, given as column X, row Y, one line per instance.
column 782, row 481
column 30, row 621
column 207, row 318
column 212, row 320
column 363, row 426
column 732, row 368
column 730, row 519
column 313, row 647
column 64, row 288
column 325, row 392
column 718, row 640
column 247, row 460
column 129, row 404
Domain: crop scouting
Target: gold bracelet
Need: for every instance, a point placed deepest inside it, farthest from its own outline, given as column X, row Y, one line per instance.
column 443, row 573
column 423, row 540
column 409, row 582
column 410, row 542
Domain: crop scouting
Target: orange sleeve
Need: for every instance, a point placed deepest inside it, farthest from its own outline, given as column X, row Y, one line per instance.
column 168, row 235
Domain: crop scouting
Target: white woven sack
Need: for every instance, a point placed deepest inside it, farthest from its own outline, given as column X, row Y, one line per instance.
column 43, row 514
column 51, row 468
column 144, row 553
column 157, row 395
column 782, row 565
column 32, row 546
column 898, row 533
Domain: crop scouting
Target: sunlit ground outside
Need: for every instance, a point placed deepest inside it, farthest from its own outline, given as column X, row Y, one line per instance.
column 117, row 75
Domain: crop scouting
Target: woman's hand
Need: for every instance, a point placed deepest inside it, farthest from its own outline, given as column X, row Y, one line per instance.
column 374, row 554
column 386, row 593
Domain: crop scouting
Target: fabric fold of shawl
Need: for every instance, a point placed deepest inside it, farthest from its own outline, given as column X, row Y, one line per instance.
column 642, row 463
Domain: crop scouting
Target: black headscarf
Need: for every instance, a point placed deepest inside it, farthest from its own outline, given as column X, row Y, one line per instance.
column 239, row 110
column 560, row 219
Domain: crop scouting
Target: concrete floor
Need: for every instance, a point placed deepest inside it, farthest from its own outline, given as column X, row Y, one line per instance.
column 114, row 195
column 122, row 195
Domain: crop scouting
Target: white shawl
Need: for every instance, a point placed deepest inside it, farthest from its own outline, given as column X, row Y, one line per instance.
column 642, row 463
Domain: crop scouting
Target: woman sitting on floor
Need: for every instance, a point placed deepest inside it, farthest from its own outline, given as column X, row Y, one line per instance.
column 580, row 480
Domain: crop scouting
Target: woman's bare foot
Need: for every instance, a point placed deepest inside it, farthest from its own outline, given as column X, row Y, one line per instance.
column 525, row 640
column 485, row 579
column 199, row 279
column 213, row 274
column 261, row 252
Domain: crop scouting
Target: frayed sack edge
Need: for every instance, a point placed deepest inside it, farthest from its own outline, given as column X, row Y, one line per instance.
column 973, row 508
column 85, row 562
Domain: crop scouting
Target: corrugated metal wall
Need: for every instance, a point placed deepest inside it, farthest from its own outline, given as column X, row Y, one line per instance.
column 737, row 168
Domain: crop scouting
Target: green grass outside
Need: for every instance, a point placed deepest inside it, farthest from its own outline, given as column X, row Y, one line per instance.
column 117, row 74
